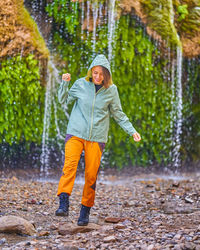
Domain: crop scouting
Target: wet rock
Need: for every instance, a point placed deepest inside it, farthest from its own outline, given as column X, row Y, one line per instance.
column 43, row 233
column 94, row 220
column 174, row 208
column 178, row 247
column 32, row 201
column 2, row 241
column 69, row 228
column 151, row 247
column 109, row 239
column 54, row 227
column 14, row 224
column 106, row 228
column 68, row 246
column 113, row 219
column 177, row 237
column 128, row 204
column 190, row 245
column 188, row 200
column 175, row 184
column 120, row 226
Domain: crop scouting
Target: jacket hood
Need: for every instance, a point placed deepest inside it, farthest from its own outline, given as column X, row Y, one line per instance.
column 99, row 60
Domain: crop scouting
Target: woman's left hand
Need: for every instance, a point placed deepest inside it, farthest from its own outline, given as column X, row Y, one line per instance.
column 136, row 136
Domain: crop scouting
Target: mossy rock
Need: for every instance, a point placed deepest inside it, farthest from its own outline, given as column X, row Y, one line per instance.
column 174, row 22
column 19, row 33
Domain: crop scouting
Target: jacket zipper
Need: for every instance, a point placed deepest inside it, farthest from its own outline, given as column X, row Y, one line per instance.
column 93, row 111
column 92, row 117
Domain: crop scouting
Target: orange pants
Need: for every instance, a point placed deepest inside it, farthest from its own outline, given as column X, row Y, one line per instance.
column 73, row 149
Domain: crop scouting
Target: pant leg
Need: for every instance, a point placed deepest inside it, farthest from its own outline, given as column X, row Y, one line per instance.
column 93, row 153
column 73, row 150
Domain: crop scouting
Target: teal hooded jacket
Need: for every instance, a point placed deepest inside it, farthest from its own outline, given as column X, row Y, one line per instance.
column 91, row 112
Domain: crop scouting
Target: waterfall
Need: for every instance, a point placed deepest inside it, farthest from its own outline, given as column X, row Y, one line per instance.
column 171, row 11
column 95, row 16
column 179, row 107
column 100, row 13
column 111, row 27
column 46, row 123
column 50, row 103
column 82, row 17
column 177, row 103
column 88, row 17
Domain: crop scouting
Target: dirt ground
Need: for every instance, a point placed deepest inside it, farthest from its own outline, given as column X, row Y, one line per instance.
column 145, row 211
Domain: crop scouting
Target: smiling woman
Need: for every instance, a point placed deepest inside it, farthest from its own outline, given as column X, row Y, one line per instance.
column 101, row 75
column 96, row 98
column 97, row 75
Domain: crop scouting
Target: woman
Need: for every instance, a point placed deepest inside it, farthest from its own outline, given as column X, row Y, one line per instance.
column 96, row 98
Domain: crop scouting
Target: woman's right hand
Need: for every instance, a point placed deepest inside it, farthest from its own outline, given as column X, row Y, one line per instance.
column 66, row 77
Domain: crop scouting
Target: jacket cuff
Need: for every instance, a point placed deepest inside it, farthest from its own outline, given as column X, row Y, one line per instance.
column 65, row 84
column 132, row 132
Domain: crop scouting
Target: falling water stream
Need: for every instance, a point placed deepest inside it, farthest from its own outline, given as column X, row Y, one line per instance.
column 95, row 16
column 179, row 106
column 111, row 27
column 50, row 102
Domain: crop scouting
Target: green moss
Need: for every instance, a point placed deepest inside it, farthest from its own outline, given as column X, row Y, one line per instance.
column 22, row 100
column 160, row 19
column 191, row 23
column 25, row 19
column 182, row 11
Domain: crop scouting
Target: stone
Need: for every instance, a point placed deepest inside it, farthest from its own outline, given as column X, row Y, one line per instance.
column 151, row 247
column 190, row 245
column 177, row 237
column 14, row 224
column 66, row 246
column 106, row 228
column 188, row 200
column 128, row 204
column 119, row 226
column 113, row 219
column 43, row 233
column 2, row 241
column 109, row 239
column 54, row 227
column 70, row 228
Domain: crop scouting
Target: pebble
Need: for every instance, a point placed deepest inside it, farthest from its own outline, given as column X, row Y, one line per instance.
column 2, row 241
column 109, row 239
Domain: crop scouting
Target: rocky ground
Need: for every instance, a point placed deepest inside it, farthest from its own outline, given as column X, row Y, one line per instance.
column 140, row 212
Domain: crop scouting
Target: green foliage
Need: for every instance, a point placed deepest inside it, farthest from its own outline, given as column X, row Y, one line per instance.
column 64, row 12
column 21, row 100
column 182, row 11
column 145, row 98
column 190, row 25
column 191, row 111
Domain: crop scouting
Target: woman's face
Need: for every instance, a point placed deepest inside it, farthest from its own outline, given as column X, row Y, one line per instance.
column 97, row 75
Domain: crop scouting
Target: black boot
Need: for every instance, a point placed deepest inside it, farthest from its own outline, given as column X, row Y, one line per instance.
column 83, row 219
column 63, row 209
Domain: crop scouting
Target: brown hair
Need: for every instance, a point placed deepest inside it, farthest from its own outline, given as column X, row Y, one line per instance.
column 106, row 76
